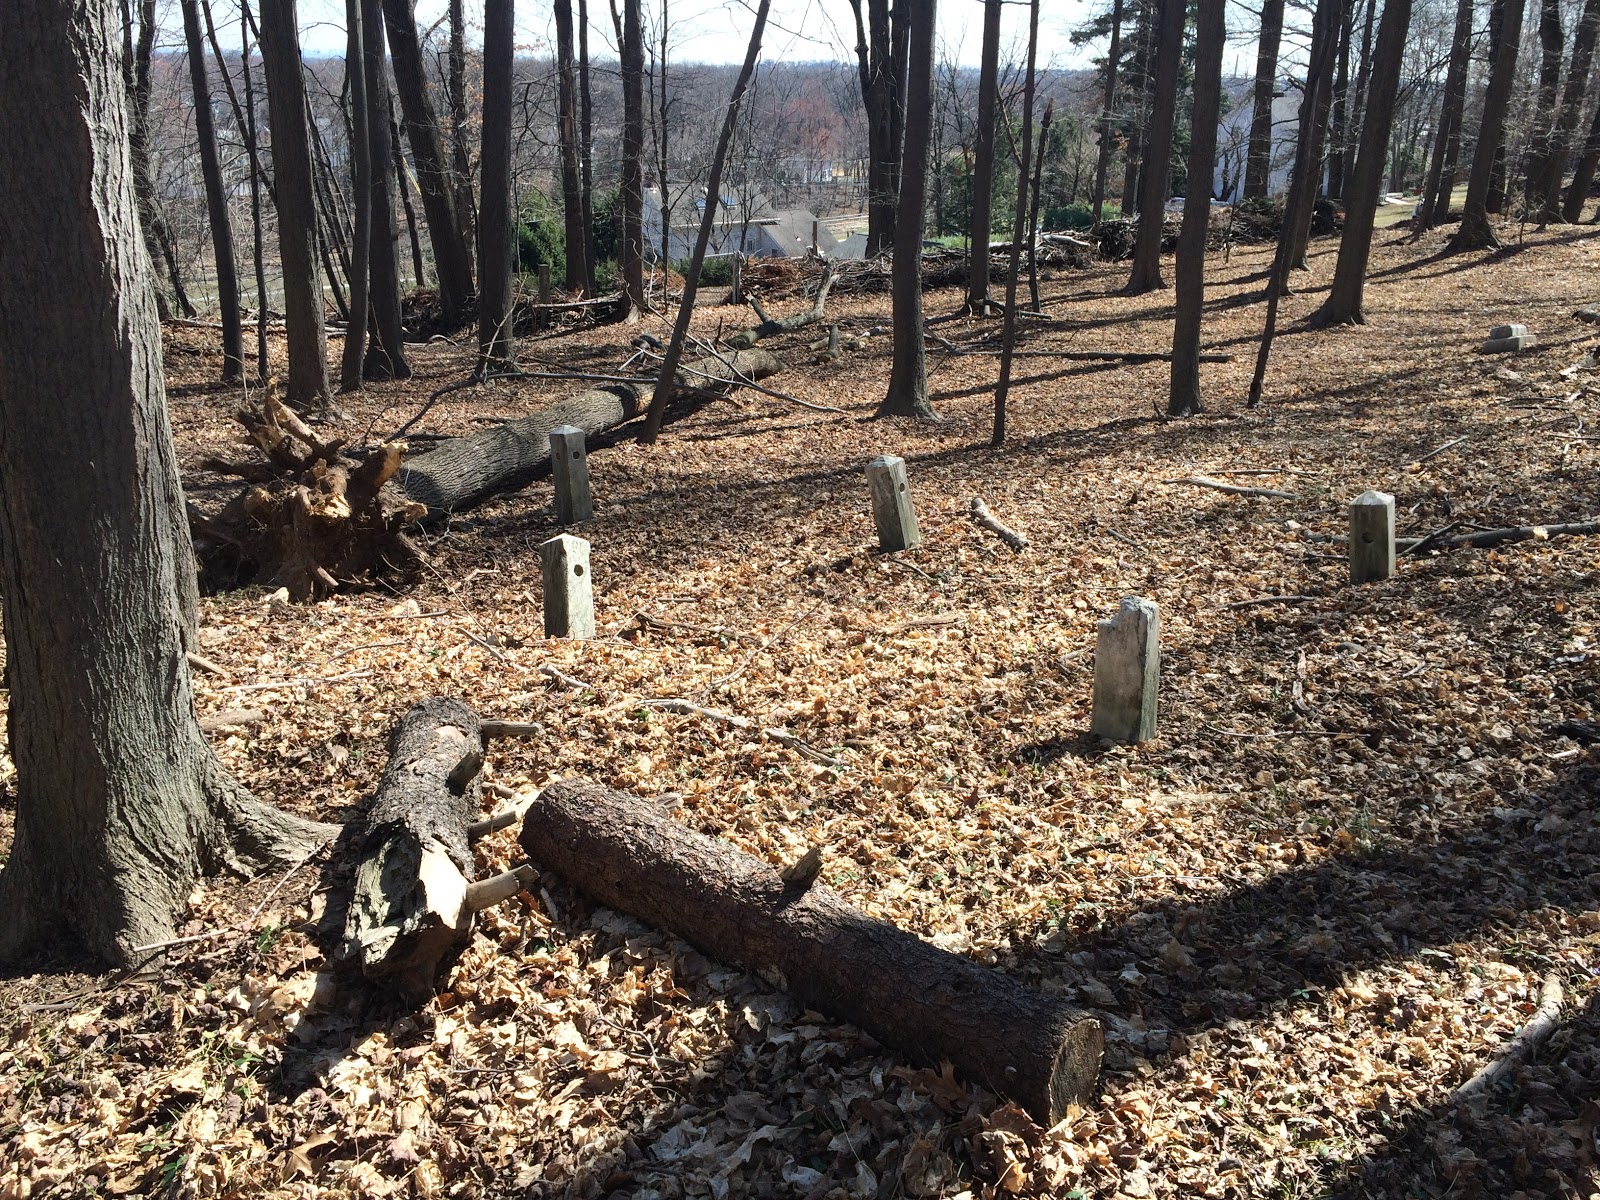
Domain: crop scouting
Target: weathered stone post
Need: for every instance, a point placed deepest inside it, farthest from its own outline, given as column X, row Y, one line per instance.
column 1371, row 537
column 569, row 467
column 891, row 504
column 568, row 590
column 1127, row 672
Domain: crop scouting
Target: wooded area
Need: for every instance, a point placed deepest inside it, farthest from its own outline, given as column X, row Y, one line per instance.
column 731, row 637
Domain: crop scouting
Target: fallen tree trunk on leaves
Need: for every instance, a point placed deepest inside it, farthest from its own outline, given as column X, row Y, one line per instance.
column 463, row 472
column 746, row 338
column 624, row 852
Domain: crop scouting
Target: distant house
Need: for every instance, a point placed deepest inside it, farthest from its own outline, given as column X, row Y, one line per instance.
column 746, row 222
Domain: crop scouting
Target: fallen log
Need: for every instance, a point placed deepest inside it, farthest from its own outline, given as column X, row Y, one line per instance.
column 746, row 338
column 1234, row 489
column 624, row 852
column 463, row 472
column 1483, row 538
column 408, row 911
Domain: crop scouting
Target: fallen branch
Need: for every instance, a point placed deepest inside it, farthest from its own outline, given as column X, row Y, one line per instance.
column 231, row 717
column 1521, row 1048
column 746, row 338
column 687, row 709
column 1441, row 449
column 986, row 520
column 1254, row 600
column 1234, row 489
column 1520, row 533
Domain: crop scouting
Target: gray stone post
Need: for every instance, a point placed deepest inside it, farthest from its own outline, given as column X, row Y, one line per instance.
column 891, row 504
column 569, row 467
column 1371, row 537
column 1127, row 672
column 568, row 590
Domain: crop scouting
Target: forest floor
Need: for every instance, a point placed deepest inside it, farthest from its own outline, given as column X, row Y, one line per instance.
column 1318, row 902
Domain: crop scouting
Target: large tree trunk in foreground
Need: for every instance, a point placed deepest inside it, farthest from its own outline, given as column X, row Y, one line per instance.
column 1258, row 167
column 1146, row 273
column 408, row 912
column 1184, row 395
column 1344, row 304
column 626, row 853
column 452, row 262
column 1476, row 233
column 120, row 804
column 296, row 204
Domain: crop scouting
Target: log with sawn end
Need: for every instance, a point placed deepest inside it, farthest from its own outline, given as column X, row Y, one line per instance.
column 624, row 852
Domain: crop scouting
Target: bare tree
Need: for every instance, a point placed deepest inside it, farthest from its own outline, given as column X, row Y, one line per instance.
column 983, row 163
column 1547, row 189
column 1583, row 172
column 571, row 170
column 1344, row 304
column 460, row 160
column 881, row 46
column 361, row 167
column 1210, row 34
column 1475, row 231
column 586, row 147
column 136, row 63
column 1552, row 42
column 216, row 198
column 386, row 357
column 630, row 40
column 1146, row 273
column 120, row 804
column 1020, row 230
column 1258, row 167
column 1102, row 163
column 494, row 218
column 1447, row 141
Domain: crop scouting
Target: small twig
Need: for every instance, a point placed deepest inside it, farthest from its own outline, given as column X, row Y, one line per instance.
column 306, row 681
column 1270, row 600
column 688, row 709
column 232, row 716
column 492, row 649
column 562, row 679
column 489, row 730
column 203, row 664
column 1521, row 1048
column 1431, row 540
column 751, row 657
column 1441, row 449
column 1277, row 733
column 1233, row 489
column 362, row 646
column 987, row 520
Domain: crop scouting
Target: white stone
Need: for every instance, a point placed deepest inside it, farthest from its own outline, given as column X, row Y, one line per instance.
column 568, row 588
column 1500, row 345
column 569, row 468
column 891, row 504
column 1508, row 331
column 1371, row 537
column 1127, row 672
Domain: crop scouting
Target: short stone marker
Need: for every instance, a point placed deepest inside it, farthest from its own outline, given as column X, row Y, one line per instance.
column 891, row 504
column 1127, row 672
column 1508, row 337
column 569, row 466
column 1504, row 331
column 568, row 590
column 1371, row 537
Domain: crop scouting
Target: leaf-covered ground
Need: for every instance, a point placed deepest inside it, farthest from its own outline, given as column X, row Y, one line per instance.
column 1310, row 910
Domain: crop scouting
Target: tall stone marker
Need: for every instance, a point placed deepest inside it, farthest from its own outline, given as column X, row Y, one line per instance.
column 891, row 504
column 569, row 466
column 1371, row 537
column 1127, row 673
column 568, row 590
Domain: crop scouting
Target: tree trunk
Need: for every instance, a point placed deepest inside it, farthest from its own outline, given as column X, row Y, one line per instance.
column 1547, row 192
column 296, row 203
column 120, row 804
column 632, row 249
column 586, row 148
column 878, row 61
column 257, row 178
column 216, row 198
column 1320, row 101
column 1344, row 305
column 1552, row 42
column 1139, row 89
column 1034, row 201
column 983, row 163
column 1258, row 167
column 1210, row 34
column 626, row 853
column 571, row 174
column 1447, row 142
column 908, row 377
column 1476, row 232
column 1339, row 107
column 153, row 222
column 1583, row 173
column 397, row 159
column 1363, row 74
column 691, row 280
column 386, row 358
column 452, row 262
column 1020, row 230
column 1146, row 273
column 460, row 162
column 355, row 73
column 1102, row 160
column 494, row 220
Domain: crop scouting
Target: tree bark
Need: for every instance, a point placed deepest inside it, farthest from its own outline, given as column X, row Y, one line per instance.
column 625, row 853
column 908, row 376
column 386, row 358
column 1146, row 273
column 494, row 220
column 1210, row 33
column 1344, row 305
column 1008, row 344
column 296, row 203
column 1437, row 191
column 1339, row 105
column 402, row 187
column 460, row 163
column 1476, row 232
column 1319, row 99
column 1547, row 192
column 1583, row 172
column 452, row 262
column 632, row 249
column 157, row 232
column 1102, row 161
column 1552, row 42
column 1139, row 89
column 571, row 175
column 1363, row 74
column 586, row 148
column 355, row 66
column 878, row 58
column 120, row 804
column 1258, row 167
column 983, row 163
column 216, row 198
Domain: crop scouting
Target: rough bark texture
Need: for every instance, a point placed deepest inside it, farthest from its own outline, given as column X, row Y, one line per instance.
column 571, row 178
column 460, row 161
column 494, row 220
column 908, row 377
column 1345, row 299
column 462, row 472
column 1258, row 166
column 386, row 358
column 1552, row 44
column 632, row 249
column 408, row 914
column 216, row 199
column 1210, row 32
column 1547, row 190
column 1320, row 102
column 354, row 347
column 1447, row 142
column 1339, row 109
column 119, row 802
column 983, row 162
column 452, row 262
column 1476, row 232
column 1146, row 273
column 586, row 147
column 624, row 852
column 297, row 206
